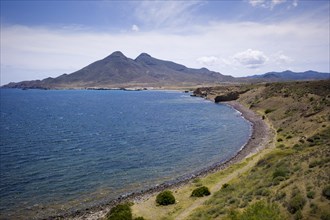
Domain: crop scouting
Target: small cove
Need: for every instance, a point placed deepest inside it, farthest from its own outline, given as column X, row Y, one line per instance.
column 71, row 149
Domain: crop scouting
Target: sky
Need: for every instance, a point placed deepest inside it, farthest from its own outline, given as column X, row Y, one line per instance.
column 41, row 39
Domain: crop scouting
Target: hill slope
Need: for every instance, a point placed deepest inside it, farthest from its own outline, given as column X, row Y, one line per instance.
column 117, row 70
column 289, row 181
column 289, row 75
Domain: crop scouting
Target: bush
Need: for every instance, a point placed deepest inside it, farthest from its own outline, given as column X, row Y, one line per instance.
column 289, row 137
column 139, row 218
column 200, row 192
column 224, row 186
column 262, row 192
column 296, row 203
column 281, row 171
column 297, row 147
column 120, row 212
column 311, row 194
column 326, row 192
column 165, row 198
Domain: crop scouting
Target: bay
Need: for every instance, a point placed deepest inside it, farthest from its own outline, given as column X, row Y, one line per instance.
column 64, row 150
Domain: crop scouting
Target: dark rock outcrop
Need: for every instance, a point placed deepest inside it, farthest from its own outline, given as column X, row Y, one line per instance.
column 227, row 97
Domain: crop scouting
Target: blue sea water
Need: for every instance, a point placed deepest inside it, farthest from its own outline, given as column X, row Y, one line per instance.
column 71, row 149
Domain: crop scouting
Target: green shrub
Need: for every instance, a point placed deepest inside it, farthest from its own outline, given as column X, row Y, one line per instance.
column 224, row 186
column 298, row 147
column 165, row 198
column 139, row 218
column 279, row 140
column 280, row 172
column 326, row 192
column 289, row 137
column 200, row 192
column 262, row 192
column 296, row 203
column 120, row 212
column 279, row 130
column 311, row 194
column 258, row 210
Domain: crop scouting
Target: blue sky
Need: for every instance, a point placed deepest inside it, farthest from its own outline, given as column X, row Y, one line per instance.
column 239, row 38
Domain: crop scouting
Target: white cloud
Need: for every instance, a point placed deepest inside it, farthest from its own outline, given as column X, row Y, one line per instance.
column 207, row 60
column 270, row 4
column 135, row 28
column 251, row 58
column 256, row 3
column 158, row 14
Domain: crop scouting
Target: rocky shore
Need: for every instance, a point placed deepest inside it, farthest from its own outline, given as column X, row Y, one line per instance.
column 260, row 137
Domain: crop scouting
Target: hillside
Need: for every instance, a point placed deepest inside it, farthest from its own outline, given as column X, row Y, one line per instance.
column 117, row 70
column 288, row 180
column 290, row 76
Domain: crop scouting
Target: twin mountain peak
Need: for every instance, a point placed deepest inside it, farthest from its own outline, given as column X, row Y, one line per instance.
column 117, row 70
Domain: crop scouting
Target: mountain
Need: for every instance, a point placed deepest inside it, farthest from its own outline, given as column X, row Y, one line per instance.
column 117, row 70
column 289, row 76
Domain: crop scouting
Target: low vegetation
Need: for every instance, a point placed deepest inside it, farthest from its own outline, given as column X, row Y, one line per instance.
column 165, row 198
column 258, row 210
column 326, row 192
column 122, row 212
column 200, row 192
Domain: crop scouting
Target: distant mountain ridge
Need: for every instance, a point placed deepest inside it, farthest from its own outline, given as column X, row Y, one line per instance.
column 289, row 76
column 117, row 70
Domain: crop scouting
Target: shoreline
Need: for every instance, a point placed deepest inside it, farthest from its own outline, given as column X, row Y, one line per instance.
column 260, row 136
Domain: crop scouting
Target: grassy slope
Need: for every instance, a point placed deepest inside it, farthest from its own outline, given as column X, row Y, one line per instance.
column 300, row 112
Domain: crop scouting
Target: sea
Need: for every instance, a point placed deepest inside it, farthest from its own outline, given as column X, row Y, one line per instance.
column 68, row 150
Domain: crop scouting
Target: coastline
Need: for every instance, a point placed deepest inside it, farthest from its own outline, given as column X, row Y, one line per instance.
column 260, row 136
